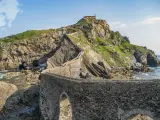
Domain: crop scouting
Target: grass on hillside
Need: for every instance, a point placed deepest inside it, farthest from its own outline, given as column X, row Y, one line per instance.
column 112, row 54
column 25, row 35
column 83, row 22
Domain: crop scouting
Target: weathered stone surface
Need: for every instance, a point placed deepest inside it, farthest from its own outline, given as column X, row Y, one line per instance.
column 138, row 67
column 100, row 100
column 6, row 90
column 22, row 105
column 141, row 58
column 146, row 57
column 22, row 80
column 66, row 51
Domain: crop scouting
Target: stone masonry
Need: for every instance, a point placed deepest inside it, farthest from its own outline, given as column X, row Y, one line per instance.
column 99, row 99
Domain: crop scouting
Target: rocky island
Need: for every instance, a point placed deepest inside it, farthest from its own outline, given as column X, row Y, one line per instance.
column 87, row 49
column 90, row 39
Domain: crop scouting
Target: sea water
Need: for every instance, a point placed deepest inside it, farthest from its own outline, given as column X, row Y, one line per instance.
column 150, row 75
column 1, row 76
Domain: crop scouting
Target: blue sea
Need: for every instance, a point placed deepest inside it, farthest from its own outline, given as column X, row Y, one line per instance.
column 150, row 75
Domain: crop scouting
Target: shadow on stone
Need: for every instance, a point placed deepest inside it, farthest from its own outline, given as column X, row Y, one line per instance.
column 22, row 105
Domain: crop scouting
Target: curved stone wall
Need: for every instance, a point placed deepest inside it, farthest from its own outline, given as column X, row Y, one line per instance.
column 100, row 100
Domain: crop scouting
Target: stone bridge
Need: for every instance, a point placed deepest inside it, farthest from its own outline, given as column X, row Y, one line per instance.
column 99, row 99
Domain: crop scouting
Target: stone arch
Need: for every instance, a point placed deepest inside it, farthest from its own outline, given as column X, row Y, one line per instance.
column 140, row 117
column 130, row 114
column 65, row 107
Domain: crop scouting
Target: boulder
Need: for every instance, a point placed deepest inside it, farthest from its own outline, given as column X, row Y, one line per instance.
column 140, row 58
column 146, row 57
column 152, row 60
column 6, row 90
column 138, row 67
column 22, row 105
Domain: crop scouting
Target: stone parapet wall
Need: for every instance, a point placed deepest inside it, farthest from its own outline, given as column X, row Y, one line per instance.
column 99, row 100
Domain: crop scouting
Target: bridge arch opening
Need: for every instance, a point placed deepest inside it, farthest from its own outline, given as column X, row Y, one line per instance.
column 65, row 107
column 137, row 114
column 139, row 117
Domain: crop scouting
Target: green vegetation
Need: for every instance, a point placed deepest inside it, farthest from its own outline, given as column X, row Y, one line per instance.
column 112, row 54
column 25, row 35
column 101, row 41
column 131, row 48
column 72, row 29
column 89, row 36
column 140, row 49
column 79, row 39
column 83, row 22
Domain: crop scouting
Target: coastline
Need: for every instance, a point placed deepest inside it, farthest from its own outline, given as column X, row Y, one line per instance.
column 149, row 75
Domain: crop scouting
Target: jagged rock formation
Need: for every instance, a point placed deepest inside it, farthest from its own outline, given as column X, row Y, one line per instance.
column 146, row 57
column 102, row 48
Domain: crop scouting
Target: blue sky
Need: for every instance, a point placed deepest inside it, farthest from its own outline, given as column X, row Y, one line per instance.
column 137, row 19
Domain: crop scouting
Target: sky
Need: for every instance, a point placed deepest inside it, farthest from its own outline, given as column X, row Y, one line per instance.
column 137, row 19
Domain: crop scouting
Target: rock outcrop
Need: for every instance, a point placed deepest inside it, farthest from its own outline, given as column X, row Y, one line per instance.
column 22, row 105
column 6, row 90
column 146, row 57
column 21, row 102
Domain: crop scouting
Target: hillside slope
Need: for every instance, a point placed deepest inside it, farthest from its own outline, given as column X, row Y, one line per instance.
column 101, row 47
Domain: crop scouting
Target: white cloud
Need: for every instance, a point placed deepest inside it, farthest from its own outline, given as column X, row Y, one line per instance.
column 151, row 20
column 2, row 20
column 118, row 25
column 148, row 21
column 123, row 25
column 8, row 12
column 143, row 32
column 115, row 23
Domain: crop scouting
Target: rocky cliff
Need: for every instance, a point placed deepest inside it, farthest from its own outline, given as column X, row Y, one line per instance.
column 101, row 48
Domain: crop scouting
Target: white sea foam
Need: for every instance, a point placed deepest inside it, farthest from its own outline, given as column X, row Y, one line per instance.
column 150, row 75
column 1, row 76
